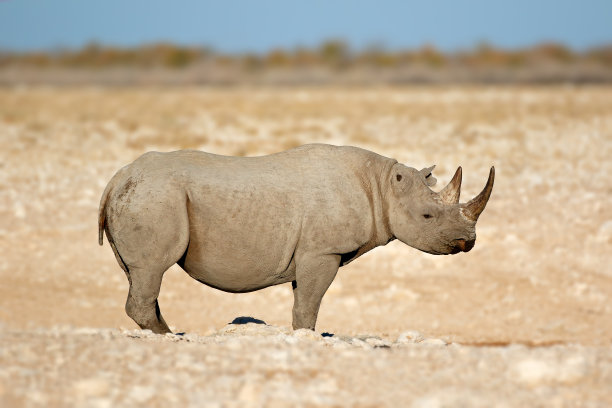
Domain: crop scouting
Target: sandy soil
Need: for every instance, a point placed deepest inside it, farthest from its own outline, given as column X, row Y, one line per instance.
column 524, row 318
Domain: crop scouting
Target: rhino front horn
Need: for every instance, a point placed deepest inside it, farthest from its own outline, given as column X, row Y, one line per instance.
column 476, row 206
column 450, row 193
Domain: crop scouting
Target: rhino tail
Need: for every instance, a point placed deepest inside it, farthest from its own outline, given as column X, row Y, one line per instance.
column 102, row 212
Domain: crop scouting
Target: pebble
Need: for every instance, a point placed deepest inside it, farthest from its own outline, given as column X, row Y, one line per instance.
column 434, row 342
column 573, row 369
column 532, row 372
column 141, row 394
column 249, row 393
column 537, row 372
column 91, row 387
column 411, row 336
column 377, row 342
column 604, row 232
column 360, row 343
column 307, row 334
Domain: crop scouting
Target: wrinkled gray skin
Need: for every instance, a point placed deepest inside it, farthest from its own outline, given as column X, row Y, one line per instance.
column 242, row 224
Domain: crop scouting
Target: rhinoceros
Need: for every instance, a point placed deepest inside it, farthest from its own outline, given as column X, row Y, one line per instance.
column 240, row 224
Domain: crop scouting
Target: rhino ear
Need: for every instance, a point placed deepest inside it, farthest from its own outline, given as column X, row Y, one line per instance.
column 429, row 179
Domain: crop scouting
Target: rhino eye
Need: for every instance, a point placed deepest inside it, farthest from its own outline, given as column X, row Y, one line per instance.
column 398, row 177
column 427, row 216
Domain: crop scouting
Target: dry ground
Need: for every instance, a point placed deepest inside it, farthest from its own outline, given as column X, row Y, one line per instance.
column 524, row 318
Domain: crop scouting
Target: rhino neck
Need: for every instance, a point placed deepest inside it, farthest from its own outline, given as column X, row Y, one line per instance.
column 377, row 190
column 374, row 178
column 382, row 219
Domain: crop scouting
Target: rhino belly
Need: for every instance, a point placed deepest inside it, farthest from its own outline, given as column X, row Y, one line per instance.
column 236, row 276
column 241, row 248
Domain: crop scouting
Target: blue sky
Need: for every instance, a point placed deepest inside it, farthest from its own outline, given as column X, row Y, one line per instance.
column 261, row 25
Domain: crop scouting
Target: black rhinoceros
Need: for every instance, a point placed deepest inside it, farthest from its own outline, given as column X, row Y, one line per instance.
column 241, row 224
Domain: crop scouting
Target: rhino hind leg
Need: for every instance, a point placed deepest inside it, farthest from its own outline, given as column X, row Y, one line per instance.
column 312, row 279
column 147, row 240
column 142, row 305
column 146, row 265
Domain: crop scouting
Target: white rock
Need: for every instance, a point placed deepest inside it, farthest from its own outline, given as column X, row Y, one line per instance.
column 291, row 340
column 191, row 337
column 138, row 333
column 87, row 331
column 100, row 403
column 514, row 315
column 360, row 343
column 307, row 334
column 428, row 401
column 141, row 393
column 532, row 372
column 604, row 233
column 19, row 210
column 434, row 342
column 336, row 342
column 572, row 369
column 91, row 387
column 411, row 336
column 250, row 329
column 172, row 337
column 249, row 393
column 535, row 372
column 376, row 342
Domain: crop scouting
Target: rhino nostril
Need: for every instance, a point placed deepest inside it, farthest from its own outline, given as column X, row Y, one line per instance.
column 460, row 244
column 463, row 245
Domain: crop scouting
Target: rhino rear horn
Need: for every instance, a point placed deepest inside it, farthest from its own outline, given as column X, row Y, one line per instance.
column 429, row 179
column 476, row 206
column 450, row 194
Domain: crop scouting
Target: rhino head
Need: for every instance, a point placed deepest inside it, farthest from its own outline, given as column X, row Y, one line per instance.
column 433, row 222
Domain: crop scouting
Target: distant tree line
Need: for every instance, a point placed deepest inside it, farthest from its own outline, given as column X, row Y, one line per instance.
column 334, row 54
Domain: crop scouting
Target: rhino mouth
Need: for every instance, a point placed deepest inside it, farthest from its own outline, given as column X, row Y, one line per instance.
column 455, row 247
column 433, row 252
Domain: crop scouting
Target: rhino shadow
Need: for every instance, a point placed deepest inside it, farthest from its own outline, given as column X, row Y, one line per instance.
column 249, row 319
column 246, row 320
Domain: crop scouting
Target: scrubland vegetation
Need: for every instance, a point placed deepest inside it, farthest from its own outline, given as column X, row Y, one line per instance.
column 331, row 62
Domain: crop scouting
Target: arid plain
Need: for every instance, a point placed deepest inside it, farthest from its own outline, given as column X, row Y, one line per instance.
column 524, row 318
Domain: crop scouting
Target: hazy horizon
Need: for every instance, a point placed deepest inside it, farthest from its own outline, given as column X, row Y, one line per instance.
column 236, row 27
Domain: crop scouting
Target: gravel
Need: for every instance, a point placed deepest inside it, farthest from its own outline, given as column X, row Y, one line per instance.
column 524, row 319
column 262, row 365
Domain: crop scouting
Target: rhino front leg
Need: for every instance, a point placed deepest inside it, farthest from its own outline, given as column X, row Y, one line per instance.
column 313, row 276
